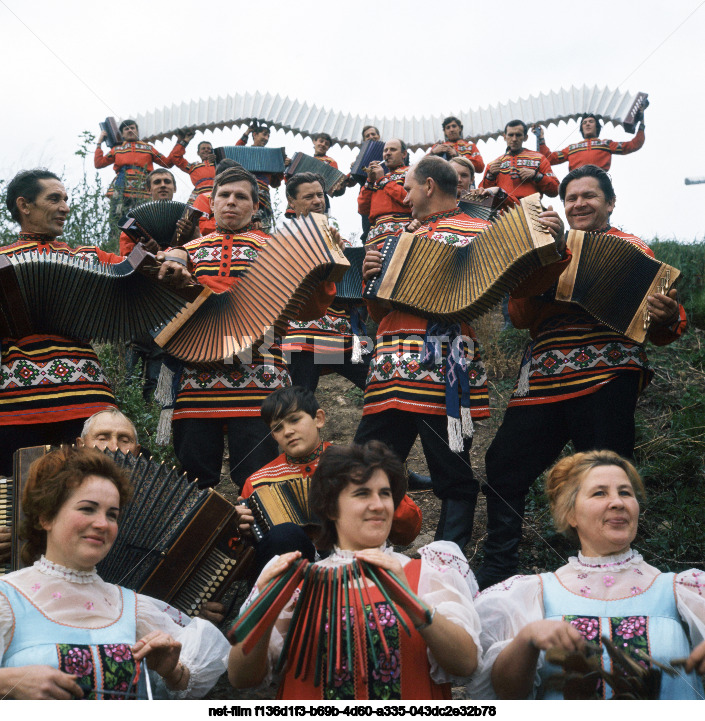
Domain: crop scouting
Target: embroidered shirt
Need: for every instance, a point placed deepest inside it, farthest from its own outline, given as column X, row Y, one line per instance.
column 201, row 173
column 466, row 149
column 593, row 151
column 132, row 161
column 515, row 186
column 572, row 354
column 219, row 261
column 396, row 378
column 47, row 378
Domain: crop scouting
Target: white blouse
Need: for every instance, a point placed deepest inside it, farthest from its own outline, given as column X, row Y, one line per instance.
column 82, row 598
column 506, row 608
column 445, row 582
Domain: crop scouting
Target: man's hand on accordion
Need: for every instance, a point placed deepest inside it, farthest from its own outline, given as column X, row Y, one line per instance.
column 553, row 223
column 371, row 265
column 245, row 518
column 174, row 268
column 5, row 543
column 663, row 309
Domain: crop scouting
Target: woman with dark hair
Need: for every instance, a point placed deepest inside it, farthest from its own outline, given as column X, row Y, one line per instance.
column 607, row 590
column 354, row 492
column 65, row 633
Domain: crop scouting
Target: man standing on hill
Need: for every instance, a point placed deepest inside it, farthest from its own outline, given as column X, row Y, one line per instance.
column 579, row 380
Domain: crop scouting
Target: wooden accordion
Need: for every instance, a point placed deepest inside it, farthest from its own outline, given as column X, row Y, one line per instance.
column 157, row 220
column 254, row 159
column 281, row 502
column 611, row 278
column 302, row 163
column 80, row 298
column 453, row 284
column 270, row 294
column 175, row 542
column 334, row 618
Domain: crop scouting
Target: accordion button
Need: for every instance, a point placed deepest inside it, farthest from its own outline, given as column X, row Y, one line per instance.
column 308, row 469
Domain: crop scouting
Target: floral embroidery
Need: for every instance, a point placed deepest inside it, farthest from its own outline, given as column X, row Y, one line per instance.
column 632, row 635
column 582, row 575
column 631, row 627
column 56, row 595
column 88, row 605
column 589, row 628
column 635, row 590
column 36, row 587
column 585, row 590
column 608, row 580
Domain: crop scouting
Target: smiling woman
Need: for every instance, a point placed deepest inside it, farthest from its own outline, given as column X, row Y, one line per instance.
column 607, row 590
column 65, row 633
column 354, row 491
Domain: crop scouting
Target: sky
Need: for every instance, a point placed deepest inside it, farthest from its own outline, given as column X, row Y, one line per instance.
column 67, row 65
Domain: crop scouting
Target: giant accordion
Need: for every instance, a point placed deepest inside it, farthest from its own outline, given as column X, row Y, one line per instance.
column 444, row 282
column 78, row 297
column 613, row 106
column 270, row 294
column 611, row 278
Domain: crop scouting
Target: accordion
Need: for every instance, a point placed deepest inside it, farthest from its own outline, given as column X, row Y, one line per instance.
column 270, row 294
column 80, row 298
column 485, row 208
column 175, row 542
column 350, row 287
column 157, row 220
column 302, row 163
column 370, row 150
column 281, row 502
column 611, row 278
column 114, row 137
column 440, row 281
column 254, row 159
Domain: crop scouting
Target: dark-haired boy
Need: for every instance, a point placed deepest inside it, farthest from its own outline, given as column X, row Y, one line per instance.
column 295, row 420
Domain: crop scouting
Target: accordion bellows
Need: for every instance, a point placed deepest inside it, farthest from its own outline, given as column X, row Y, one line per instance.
column 158, row 219
column 611, row 278
column 613, row 106
column 77, row 297
column 271, row 293
column 281, row 502
column 445, row 282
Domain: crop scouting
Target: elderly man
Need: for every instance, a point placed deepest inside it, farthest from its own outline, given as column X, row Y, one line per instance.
column 411, row 391
column 231, row 395
column 454, row 145
column 132, row 160
column 520, row 172
column 327, row 343
column 51, row 383
column 592, row 150
column 201, row 173
column 579, row 380
column 382, row 196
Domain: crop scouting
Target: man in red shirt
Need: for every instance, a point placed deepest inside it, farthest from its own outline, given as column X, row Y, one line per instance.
column 579, row 381
column 454, row 145
column 382, row 196
column 520, row 172
column 592, row 150
column 321, row 146
column 201, row 173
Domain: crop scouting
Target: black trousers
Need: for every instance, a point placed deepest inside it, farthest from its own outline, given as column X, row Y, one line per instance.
column 531, row 438
column 451, row 473
column 306, row 372
column 35, row 434
column 199, row 444
column 282, row 538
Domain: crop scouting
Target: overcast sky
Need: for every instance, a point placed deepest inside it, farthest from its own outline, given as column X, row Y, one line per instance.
column 66, row 65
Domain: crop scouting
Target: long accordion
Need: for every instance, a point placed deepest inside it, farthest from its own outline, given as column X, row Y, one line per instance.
column 334, row 619
column 611, row 278
column 78, row 297
column 302, row 163
column 252, row 158
column 281, row 502
column 613, row 106
column 270, row 294
column 440, row 281
column 158, row 219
